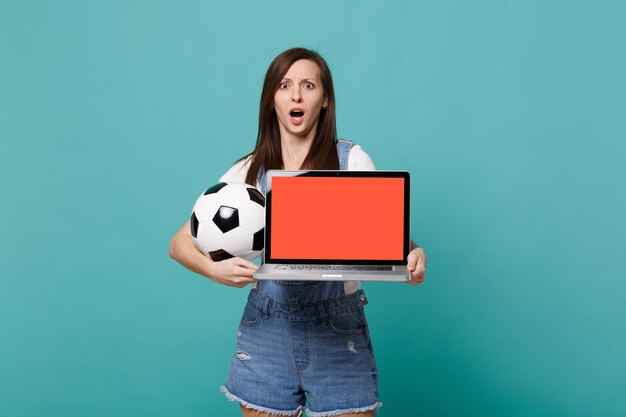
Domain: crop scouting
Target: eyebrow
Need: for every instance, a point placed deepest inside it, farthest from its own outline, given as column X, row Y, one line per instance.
column 309, row 79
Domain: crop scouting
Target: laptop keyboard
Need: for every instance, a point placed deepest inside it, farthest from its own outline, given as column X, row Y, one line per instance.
column 336, row 267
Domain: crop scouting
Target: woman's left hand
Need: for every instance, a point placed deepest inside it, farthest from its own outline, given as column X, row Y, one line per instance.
column 416, row 262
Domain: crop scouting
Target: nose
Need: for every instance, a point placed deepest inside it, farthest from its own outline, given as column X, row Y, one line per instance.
column 296, row 95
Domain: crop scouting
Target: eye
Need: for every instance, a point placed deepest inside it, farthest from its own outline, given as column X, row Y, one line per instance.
column 308, row 86
column 283, row 86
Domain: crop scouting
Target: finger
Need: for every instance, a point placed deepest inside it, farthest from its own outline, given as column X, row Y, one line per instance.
column 421, row 266
column 245, row 264
column 421, row 256
column 416, row 281
column 419, row 279
column 421, row 260
column 243, row 281
column 245, row 272
column 418, row 274
column 411, row 261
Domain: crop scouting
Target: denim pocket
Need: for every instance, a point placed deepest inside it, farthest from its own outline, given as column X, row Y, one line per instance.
column 251, row 315
column 352, row 322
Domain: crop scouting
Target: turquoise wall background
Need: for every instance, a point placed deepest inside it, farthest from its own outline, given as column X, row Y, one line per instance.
column 115, row 115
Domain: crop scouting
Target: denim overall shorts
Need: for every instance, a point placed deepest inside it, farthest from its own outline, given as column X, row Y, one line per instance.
column 304, row 346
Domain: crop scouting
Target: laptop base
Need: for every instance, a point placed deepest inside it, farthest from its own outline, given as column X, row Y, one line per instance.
column 272, row 272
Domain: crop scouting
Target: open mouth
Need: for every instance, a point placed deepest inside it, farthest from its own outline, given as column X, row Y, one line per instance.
column 296, row 113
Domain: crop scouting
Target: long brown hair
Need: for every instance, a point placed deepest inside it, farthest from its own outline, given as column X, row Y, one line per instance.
column 267, row 153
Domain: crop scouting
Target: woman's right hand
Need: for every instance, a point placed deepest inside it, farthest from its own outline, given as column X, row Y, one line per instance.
column 234, row 272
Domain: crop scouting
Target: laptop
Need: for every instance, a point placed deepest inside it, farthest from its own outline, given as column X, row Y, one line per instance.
column 336, row 226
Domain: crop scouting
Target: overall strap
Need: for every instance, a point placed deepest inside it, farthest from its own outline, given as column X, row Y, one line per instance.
column 343, row 151
column 262, row 180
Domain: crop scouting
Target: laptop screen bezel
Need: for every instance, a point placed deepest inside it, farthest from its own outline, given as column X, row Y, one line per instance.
column 349, row 174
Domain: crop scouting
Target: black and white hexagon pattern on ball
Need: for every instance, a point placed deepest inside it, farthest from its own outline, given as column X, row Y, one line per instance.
column 252, row 216
column 235, row 195
column 220, row 255
column 226, row 218
column 256, row 196
column 250, row 230
column 215, row 188
column 243, row 240
column 205, row 208
column 209, row 237
column 193, row 223
column 258, row 241
column 238, row 241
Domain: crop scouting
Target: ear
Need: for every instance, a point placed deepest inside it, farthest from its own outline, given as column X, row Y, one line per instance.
column 325, row 103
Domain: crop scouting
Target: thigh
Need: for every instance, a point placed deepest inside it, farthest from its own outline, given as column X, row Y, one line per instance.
column 246, row 412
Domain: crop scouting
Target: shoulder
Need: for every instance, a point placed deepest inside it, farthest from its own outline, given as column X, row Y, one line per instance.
column 238, row 172
column 359, row 160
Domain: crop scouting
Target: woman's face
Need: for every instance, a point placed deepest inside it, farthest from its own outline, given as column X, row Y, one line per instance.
column 299, row 100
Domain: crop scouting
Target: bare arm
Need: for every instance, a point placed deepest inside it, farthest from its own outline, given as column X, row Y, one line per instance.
column 235, row 272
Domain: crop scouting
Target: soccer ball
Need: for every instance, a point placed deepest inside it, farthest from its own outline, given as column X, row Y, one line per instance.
column 228, row 220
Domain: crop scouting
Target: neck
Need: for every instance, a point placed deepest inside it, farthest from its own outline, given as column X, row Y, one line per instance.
column 295, row 148
column 294, row 152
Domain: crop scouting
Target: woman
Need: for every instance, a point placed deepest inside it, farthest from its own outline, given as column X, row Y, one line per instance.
column 297, row 341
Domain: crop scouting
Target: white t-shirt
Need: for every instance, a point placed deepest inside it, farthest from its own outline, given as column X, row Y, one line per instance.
column 358, row 160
